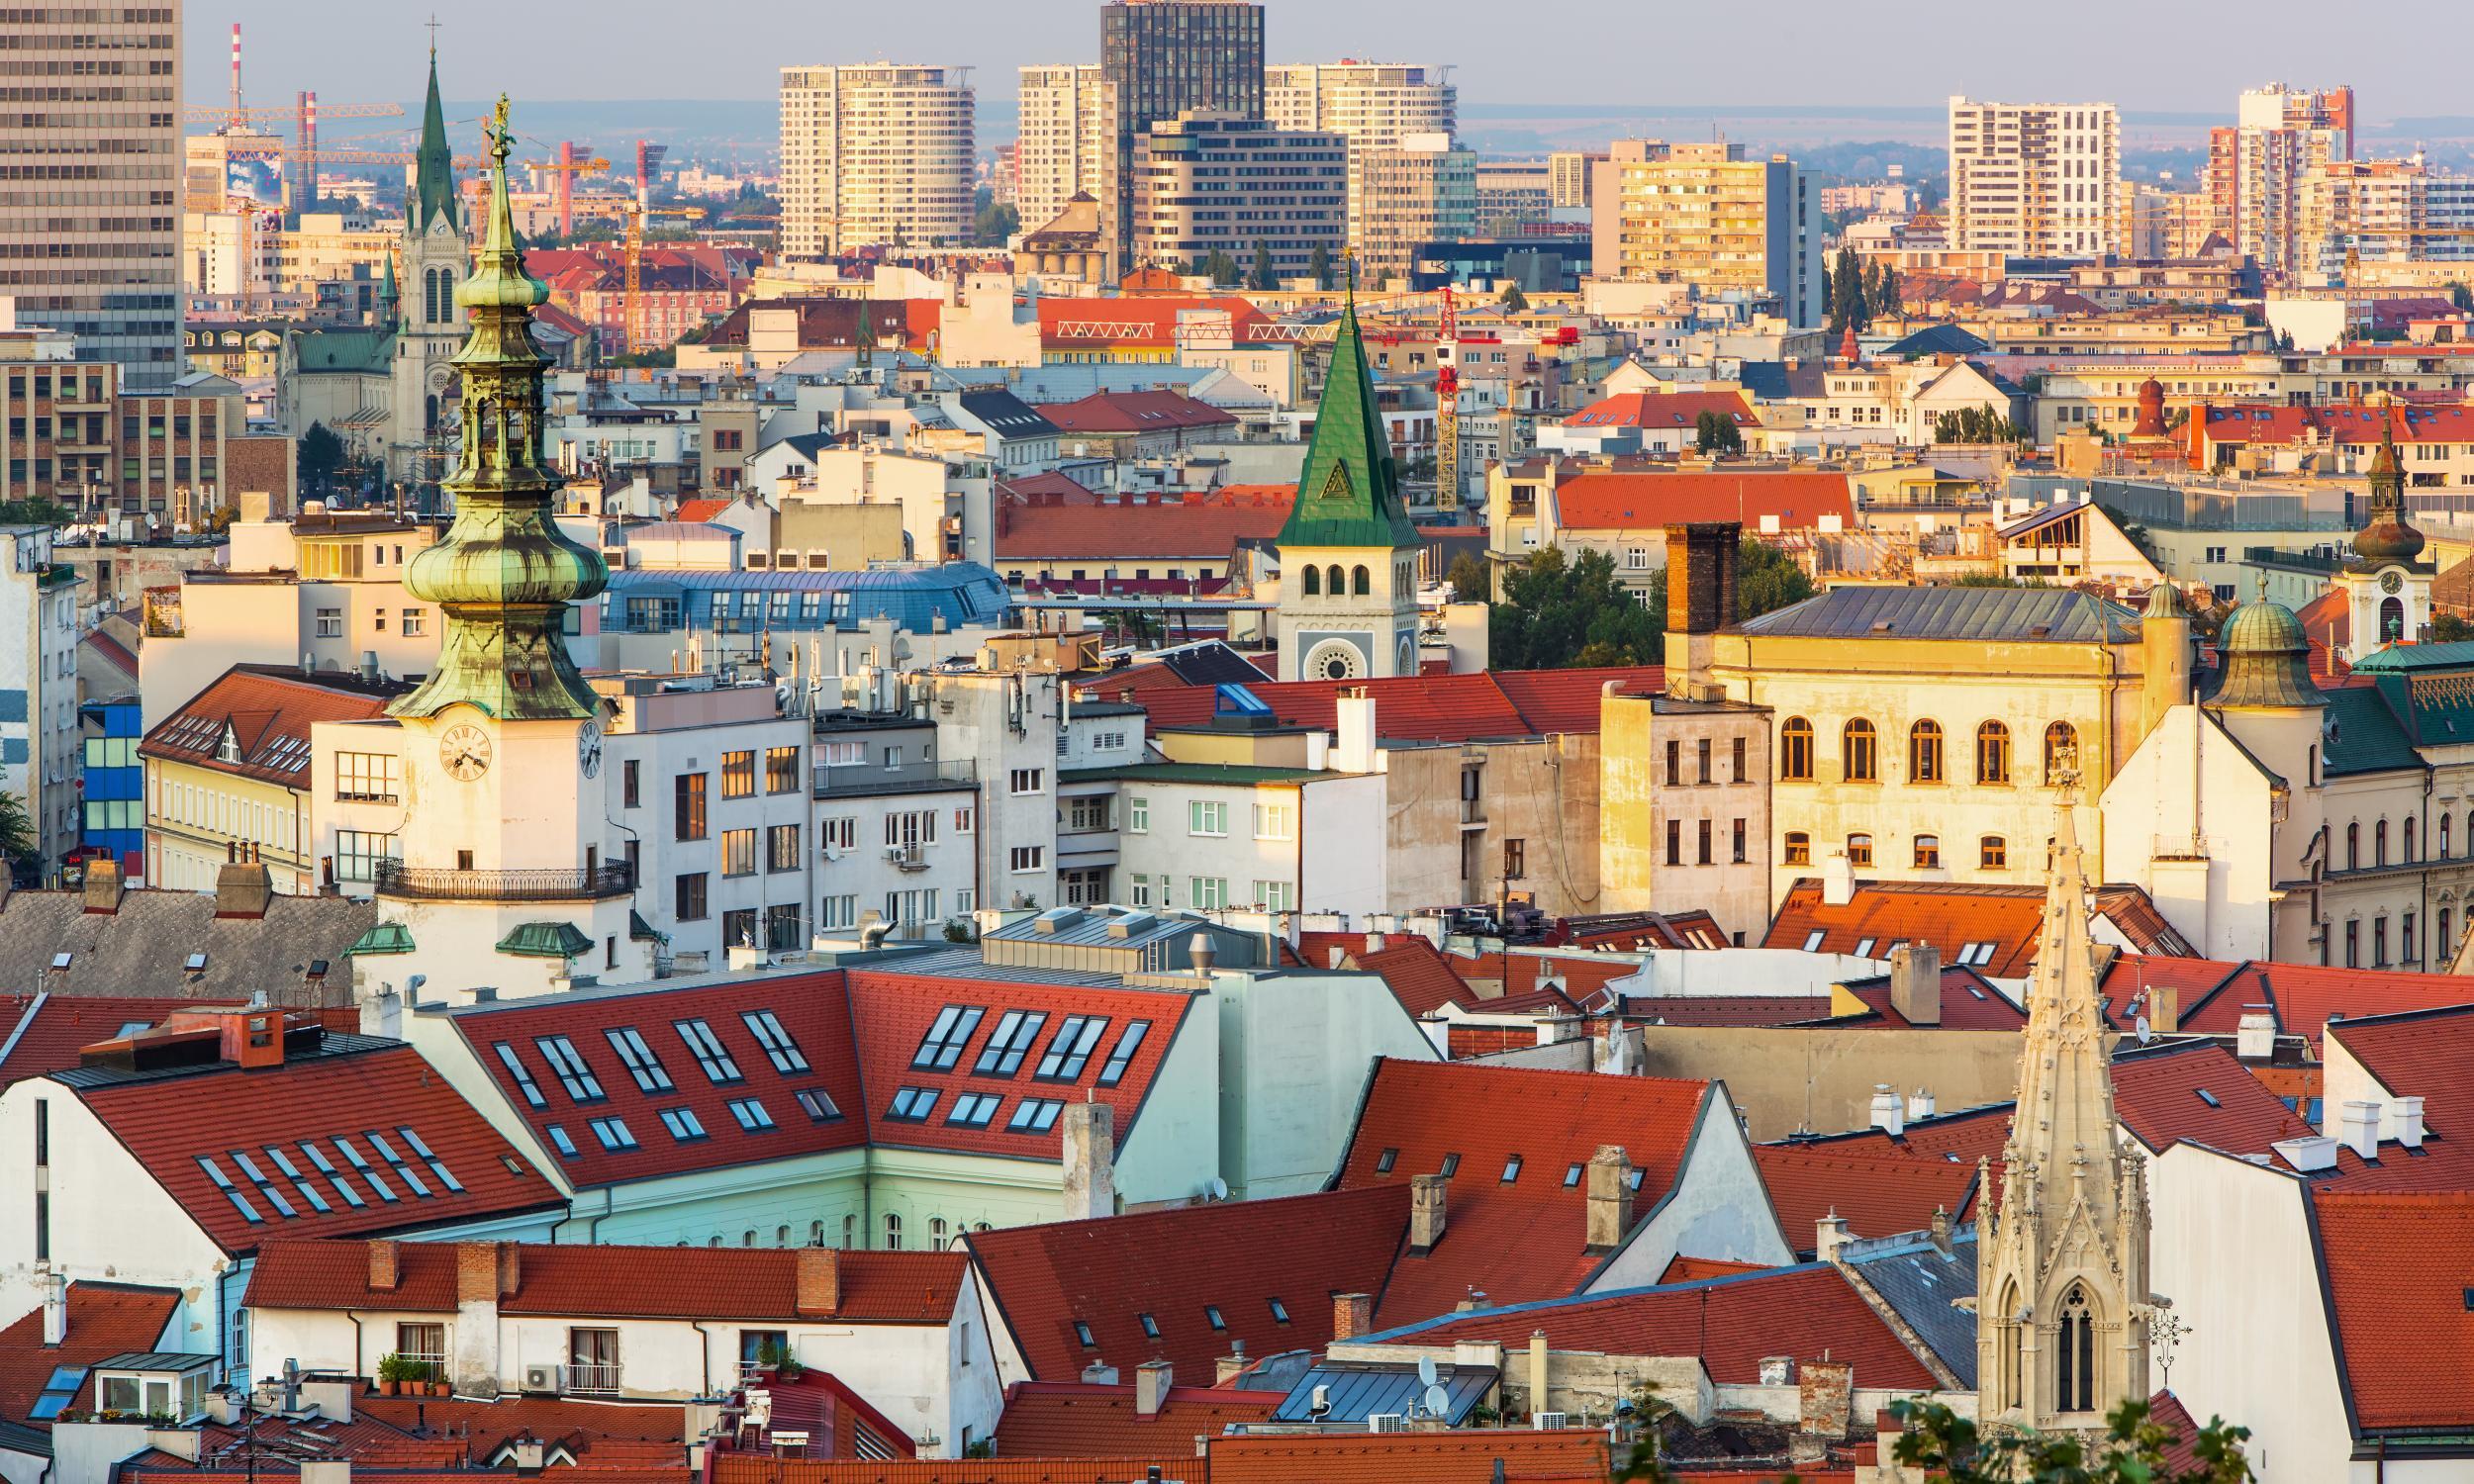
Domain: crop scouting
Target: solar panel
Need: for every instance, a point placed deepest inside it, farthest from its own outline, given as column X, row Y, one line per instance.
column 1235, row 699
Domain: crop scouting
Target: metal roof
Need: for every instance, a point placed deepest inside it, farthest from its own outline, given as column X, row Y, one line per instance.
column 1918, row 1280
column 2056, row 616
column 156, row 1360
column 1359, row 1390
column 962, row 592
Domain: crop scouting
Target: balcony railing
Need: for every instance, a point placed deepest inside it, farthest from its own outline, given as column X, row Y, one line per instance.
column 592, row 1376
column 911, row 778
column 395, row 879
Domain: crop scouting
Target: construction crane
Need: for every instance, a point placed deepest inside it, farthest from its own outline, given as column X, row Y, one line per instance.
column 249, row 211
column 1448, row 403
column 636, row 215
column 571, row 162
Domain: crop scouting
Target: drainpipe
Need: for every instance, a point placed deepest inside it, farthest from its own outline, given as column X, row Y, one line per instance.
column 703, row 1358
column 356, row 1341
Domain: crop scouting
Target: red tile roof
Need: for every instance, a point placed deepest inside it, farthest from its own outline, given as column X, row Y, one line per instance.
column 1415, row 708
column 1713, row 1010
column 1461, row 1455
column 40, row 1034
column 104, row 1320
column 268, row 714
column 490, row 1423
column 631, row 1282
column 757, row 1469
column 1068, row 1420
column 1207, row 528
column 1522, row 1240
column 1879, row 1195
column 2305, row 997
column 700, row 510
column 2424, row 1053
column 1960, row 1136
column 1135, row 412
column 1419, row 974
column 1969, row 1002
column 2197, row 1090
column 1178, row 1267
column 1149, row 320
column 1948, row 915
column 1663, row 410
column 331, row 1106
column 1694, row 1269
column 1807, row 1311
column 1642, row 930
column 813, row 1009
column 1607, row 500
column 2405, row 1338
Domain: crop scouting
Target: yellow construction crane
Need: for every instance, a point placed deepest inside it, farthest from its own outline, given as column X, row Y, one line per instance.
column 280, row 115
column 635, row 216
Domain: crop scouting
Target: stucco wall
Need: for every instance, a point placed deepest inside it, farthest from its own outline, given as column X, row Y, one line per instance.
column 1717, row 1208
column 1823, row 1081
column 1293, row 1053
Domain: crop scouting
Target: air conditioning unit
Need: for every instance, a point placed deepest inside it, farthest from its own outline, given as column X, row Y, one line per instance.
column 1544, row 1420
column 542, row 1380
column 1387, row 1422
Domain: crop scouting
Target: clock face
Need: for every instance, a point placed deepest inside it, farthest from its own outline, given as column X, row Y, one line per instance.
column 589, row 750
column 464, row 751
column 2390, row 582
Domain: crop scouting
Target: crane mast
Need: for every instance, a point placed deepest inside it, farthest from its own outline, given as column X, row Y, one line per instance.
column 1448, row 405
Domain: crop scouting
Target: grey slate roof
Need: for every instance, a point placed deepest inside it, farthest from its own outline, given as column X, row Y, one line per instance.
column 1781, row 380
column 2056, row 616
column 2364, row 734
column 1918, row 1280
column 142, row 948
column 1939, row 339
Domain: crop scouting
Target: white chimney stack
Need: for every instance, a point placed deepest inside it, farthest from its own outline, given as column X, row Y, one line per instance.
column 1838, row 880
column 2410, row 1122
column 1920, row 1105
column 2360, row 1131
column 2254, row 1036
column 54, row 1310
column 1887, row 1112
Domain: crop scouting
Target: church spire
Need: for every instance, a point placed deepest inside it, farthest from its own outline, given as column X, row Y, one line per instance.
column 390, row 297
column 504, row 574
column 1349, row 493
column 434, row 180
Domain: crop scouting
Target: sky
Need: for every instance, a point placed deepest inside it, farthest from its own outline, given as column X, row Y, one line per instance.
column 2170, row 55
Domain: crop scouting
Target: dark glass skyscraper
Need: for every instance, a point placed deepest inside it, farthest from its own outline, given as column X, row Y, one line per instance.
column 1167, row 56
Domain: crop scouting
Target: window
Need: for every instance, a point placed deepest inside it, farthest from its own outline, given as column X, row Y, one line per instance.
column 366, row 776
column 2379, row 843
column 59, row 1391
column 1859, row 850
column 2353, row 945
column 1704, row 842
column 1994, row 853
column 1121, row 1056
column 1028, row 781
column 570, row 1069
column 1511, row 1169
column 1451, row 1167
column 1858, row 759
column 2061, row 753
column 1211, row 1316
column 777, row 1043
column 2408, row 856
column 1924, row 752
column 781, row 848
column 1034, row 1115
column 358, row 852
column 1009, row 1043
column 2408, row 949
column 639, row 1059
column 2074, row 1361
column 1208, row 891
column 738, row 851
column 1207, row 817
column 708, row 1051
column 683, row 1123
column 942, row 1046
column 1026, row 859
column 2444, row 837
column 1799, row 848
column 1069, row 1050
column 818, row 1104
column 1701, row 760
column 912, row 1104
column 1280, row 1312
column 1738, row 775
column 1082, row 1335
column 1741, row 841
column 975, row 1110
column 1675, row 761
column 1928, row 852
column 688, row 806
column 781, row 769
column 2353, row 847
column 2379, row 941
column 1795, row 751
column 1992, row 753
column 690, row 897
column 1273, row 822
column 1137, row 815
column 630, row 785
column 738, row 774
column 613, row 1134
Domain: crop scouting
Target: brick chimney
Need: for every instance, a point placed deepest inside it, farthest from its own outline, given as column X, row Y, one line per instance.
column 1700, row 597
column 103, row 886
column 1090, row 1160
column 1610, row 1198
column 485, row 1272
column 819, row 1281
column 385, row 1265
column 1231, row 1365
column 242, row 888
column 1430, row 1199
column 1152, row 1379
column 1916, row 983
column 1352, row 1315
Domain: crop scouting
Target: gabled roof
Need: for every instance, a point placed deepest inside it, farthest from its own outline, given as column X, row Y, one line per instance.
column 1008, row 416
column 1807, row 1311
column 1456, row 1455
column 1414, row 709
column 1986, row 926
column 814, row 1056
column 2424, row 1053
column 1968, row 1003
column 1663, row 411
column 2404, row 1337
column 351, row 1119
column 1419, row 974
column 1936, row 339
column 1879, row 1195
column 2196, row 1091
column 1133, row 412
column 1143, row 320
column 1209, row 528
column 2043, row 615
column 1523, row 1238
column 1919, row 1278
column 1205, row 1277
column 144, row 946
column 560, row 1280
column 1349, row 488
column 104, row 1320
column 263, row 714
column 1609, row 500
column 1070, row 1420
column 2304, row 997
column 40, row 1034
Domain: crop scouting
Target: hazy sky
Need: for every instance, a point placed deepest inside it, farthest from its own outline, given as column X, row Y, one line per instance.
column 2181, row 55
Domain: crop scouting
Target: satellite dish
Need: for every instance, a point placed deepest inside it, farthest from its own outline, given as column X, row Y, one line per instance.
column 1219, row 1188
column 2144, row 1033
column 1436, row 1401
column 1425, row 1370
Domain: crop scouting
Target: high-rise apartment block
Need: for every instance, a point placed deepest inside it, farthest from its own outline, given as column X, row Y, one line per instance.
column 875, row 155
column 2035, row 179
column 2255, row 169
column 1373, row 105
column 1418, row 190
column 1166, row 57
column 90, row 192
column 1710, row 217
column 1572, row 173
column 1068, row 142
column 2388, row 211
column 1212, row 182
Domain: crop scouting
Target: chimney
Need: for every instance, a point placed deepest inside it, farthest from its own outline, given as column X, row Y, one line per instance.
column 1700, row 596
column 252, row 1038
column 1374, row 943
column 1353, row 726
column 54, row 1310
column 1231, row 1365
column 103, row 886
column 1889, row 1112
column 385, row 1265
column 1920, row 1105
column 818, row 1280
column 2360, row 1131
column 1942, row 1230
column 2165, row 1009
column 1825, row 1398
column 1916, row 983
column 1830, row 1233
column 1151, row 1387
column 1609, row 1197
column 242, row 888
column 1090, row 1160
column 1429, row 1201
column 1099, row 1373
column 1352, row 1315
column 2409, row 1123
column 326, row 1471
column 1838, row 880
column 2254, row 1036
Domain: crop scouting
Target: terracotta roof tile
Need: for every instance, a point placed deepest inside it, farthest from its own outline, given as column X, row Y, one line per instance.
column 700, row 510
column 2424, row 1053
column 1685, row 1269
column 1419, row 974
column 1717, row 1011
column 1878, row 1195
column 2406, row 1335
column 1068, row 1420
column 1950, row 917
column 1663, row 410
column 104, row 1320
column 1144, row 320
column 2197, row 1090
column 1611, row 501
column 1969, row 1002
column 268, row 713
column 1461, row 1455
column 1182, row 1269
column 753, row 1468
column 2304, row 997
column 1522, row 1239
column 40, row 1034
column 1206, row 530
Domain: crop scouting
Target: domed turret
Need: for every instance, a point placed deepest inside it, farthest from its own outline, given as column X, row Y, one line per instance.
column 2267, row 660
column 2151, row 411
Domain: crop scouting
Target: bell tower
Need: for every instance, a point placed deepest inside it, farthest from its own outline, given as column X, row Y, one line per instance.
column 2388, row 587
column 504, row 879
column 429, row 326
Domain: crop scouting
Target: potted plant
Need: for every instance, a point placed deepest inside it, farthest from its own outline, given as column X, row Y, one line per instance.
column 391, row 1368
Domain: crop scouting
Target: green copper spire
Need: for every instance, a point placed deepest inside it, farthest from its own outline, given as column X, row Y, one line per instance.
column 434, row 184
column 1349, row 494
column 388, row 297
column 504, row 574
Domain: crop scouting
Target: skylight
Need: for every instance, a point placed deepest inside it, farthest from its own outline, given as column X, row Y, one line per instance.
column 650, row 1075
column 777, row 1042
column 1011, row 1041
column 683, row 1123
column 568, row 1066
column 974, row 1109
column 912, row 1104
column 1034, row 1115
column 1069, row 1050
column 57, row 1392
column 708, row 1053
column 1121, row 1056
column 818, row 1104
column 942, row 1046
column 523, row 1076
column 751, row 1114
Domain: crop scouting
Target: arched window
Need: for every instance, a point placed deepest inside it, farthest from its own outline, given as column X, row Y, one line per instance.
column 1313, row 581
column 2444, row 838
column 1795, row 751
column 893, row 1232
column 1928, row 852
column 2409, row 855
column 850, row 1231
column 816, row 1233
column 1859, row 850
column 1924, row 752
column 1361, row 582
column 717, row 1241
column 2074, row 1361
column 1858, row 754
column 2311, row 764
column 429, row 296
column 782, row 1235
column 936, row 1234
column 2061, row 752
column 2392, row 621
column 1994, row 853
column 2011, row 1335
column 2353, row 847
column 1799, row 848
column 749, row 1237
column 1334, row 581
column 1992, row 753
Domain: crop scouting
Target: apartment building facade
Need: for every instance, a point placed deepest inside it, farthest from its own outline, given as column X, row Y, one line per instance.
column 1215, row 182
column 1712, row 218
column 1375, row 106
column 1418, row 190
column 1067, row 144
column 2035, row 179
column 2256, row 167
column 875, row 155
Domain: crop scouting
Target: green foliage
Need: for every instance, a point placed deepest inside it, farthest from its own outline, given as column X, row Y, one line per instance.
column 659, row 355
column 1716, row 433
column 1261, row 279
column 17, row 834
column 1514, row 301
column 1765, row 581
column 2461, row 296
column 1219, row 267
column 983, row 1448
column 1951, row 1449
column 994, row 222
column 1320, row 267
column 322, row 455
column 35, row 513
column 1846, row 295
column 1467, row 577
column 1974, row 424
column 1558, row 614
column 2448, row 628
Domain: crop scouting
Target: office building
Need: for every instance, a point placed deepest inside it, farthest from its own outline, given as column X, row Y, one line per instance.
column 2256, row 169
column 1709, row 216
column 1416, row 190
column 875, row 155
column 90, row 189
column 1515, row 197
column 1572, row 171
column 1373, row 105
column 2035, row 179
column 1067, row 144
column 1166, row 57
column 1206, row 183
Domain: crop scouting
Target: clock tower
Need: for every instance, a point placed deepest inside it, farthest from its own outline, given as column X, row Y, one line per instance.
column 506, row 876
column 2387, row 585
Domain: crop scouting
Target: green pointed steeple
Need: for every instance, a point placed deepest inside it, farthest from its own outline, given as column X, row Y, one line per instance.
column 1349, row 494
column 390, row 300
column 504, row 574
column 434, row 181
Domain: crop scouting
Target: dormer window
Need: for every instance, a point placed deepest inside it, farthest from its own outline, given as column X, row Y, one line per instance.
column 166, row 1387
column 228, row 749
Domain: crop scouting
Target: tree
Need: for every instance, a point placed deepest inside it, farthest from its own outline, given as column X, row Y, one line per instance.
column 17, row 834
column 1261, row 280
column 1219, row 267
column 1973, row 424
column 1558, row 614
column 1514, row 301
column 994, row 222
column 1320, row 267
column 1765, row 581
column 1948, row 1447
column 2448, row 628
column 1890, row 302
column 321, row 453
column 36, row 512
column 1467, row 577
column 2461, row 296
column 1716, row 433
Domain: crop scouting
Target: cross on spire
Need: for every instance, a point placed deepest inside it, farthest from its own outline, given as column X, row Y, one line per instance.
column 432, row 24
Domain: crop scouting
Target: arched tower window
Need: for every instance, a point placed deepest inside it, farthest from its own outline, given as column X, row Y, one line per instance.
column 1313, row 581
column 1795, row 751
column 2010, row 1345
column 1858, row 754
column 1361, row 582
column 1336, row 579
column 2392, row 619
column 2074, row 1354
column 1992, row 753
column 1924, row 752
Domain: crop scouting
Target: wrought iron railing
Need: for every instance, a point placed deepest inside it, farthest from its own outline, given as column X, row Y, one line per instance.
column 592, row 1376
column 395, row 879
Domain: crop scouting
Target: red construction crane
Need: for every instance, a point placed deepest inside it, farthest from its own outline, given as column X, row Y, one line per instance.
column 1448, row 403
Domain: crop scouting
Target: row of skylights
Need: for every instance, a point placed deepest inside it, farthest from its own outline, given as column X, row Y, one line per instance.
column 1512, row 1166
column 687, row 1127
column 643, row 1064
column 1010, row 1043
column 976, row 1110
column 1150, row 1322
column 268, row 1171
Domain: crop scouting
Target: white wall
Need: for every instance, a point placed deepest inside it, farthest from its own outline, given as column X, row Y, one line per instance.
column 1717, row 1208
column 1294, row 1048
column 2148, row 809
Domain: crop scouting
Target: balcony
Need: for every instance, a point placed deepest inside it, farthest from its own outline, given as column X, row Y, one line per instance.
column 593, row 1377
column 856, row 779
column 395, row 879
